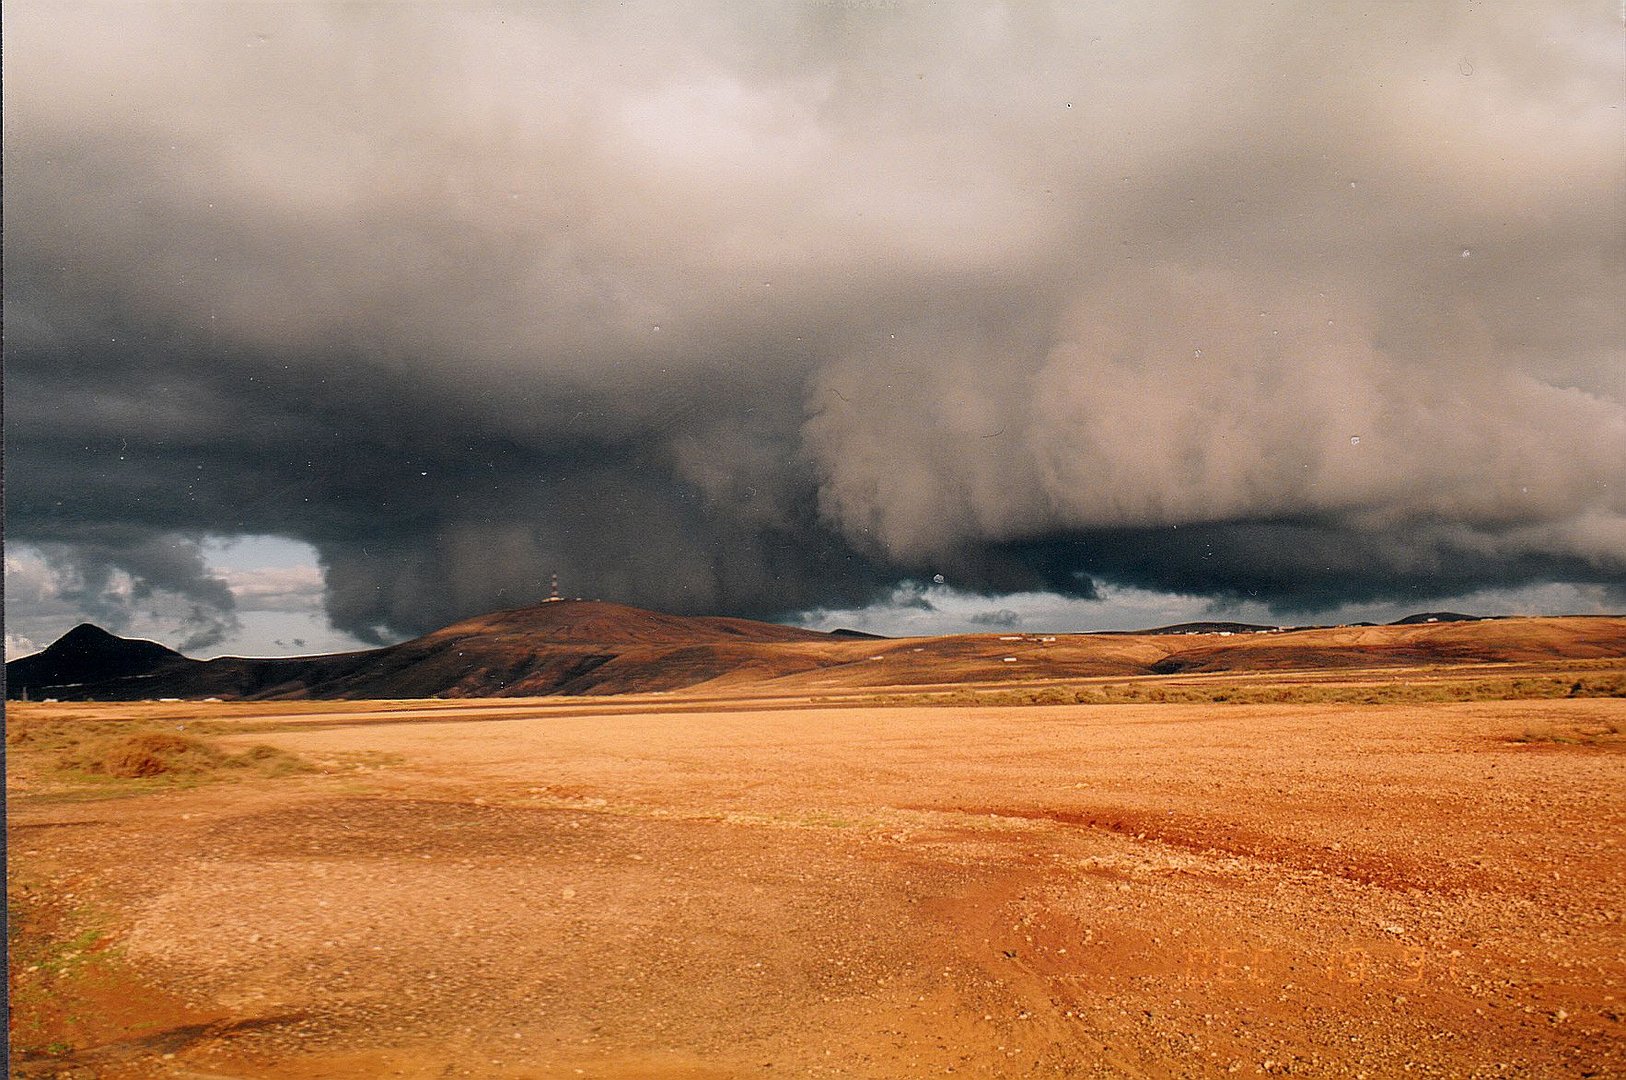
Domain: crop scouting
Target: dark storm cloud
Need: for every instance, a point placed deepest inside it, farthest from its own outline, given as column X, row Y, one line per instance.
column 1003, row 619
column 112, row 574
column 755, row 310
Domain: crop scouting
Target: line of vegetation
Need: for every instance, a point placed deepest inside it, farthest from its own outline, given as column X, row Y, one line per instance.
column 1611, row 685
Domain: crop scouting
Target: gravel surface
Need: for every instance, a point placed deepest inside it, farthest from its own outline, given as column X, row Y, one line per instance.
column 1159, row 890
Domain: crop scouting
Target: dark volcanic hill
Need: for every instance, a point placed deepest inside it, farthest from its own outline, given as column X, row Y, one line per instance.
column 1436, row 616
column 88, row 654
column 1209, row 628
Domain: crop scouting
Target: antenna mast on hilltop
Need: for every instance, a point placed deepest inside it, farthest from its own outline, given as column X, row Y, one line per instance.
column 553, row 590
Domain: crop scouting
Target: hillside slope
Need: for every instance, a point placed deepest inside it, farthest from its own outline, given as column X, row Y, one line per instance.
column 595, row 648
column 549, row 648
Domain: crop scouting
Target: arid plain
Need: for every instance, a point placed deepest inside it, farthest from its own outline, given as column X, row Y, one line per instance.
column 1278, row 868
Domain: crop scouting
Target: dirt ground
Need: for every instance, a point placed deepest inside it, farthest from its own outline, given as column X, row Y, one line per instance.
column 749, row 889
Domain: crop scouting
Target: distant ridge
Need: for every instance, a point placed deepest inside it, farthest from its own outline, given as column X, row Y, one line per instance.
column 856, row 635
column 1438, row 616
column 1209, row 628
column 559, row 647
column 585, row 647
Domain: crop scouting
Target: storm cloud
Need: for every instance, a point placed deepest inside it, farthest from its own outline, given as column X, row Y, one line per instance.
column 735, row 309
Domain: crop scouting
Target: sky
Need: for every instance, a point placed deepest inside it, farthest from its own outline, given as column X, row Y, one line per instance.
column 330, row 323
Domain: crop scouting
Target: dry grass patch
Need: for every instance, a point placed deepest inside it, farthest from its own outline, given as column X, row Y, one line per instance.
column 1606, row 734
column 70, row 749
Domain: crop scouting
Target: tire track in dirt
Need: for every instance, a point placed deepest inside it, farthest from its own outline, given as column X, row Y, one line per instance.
column 1208, row 838
column 1039, row 1008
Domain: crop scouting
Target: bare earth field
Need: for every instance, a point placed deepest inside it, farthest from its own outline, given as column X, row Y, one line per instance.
column 693, row 887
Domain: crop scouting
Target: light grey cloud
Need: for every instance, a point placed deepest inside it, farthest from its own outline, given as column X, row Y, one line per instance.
column 763, row 310
column 125, row 584
column 281, row 588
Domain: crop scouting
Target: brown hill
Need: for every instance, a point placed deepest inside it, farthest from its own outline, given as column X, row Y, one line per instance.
column 1466, row 641
column 599, row 622
column 592, row 647
column 567, row 647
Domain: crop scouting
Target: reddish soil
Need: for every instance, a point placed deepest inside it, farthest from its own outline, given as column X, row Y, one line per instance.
column 730, row 888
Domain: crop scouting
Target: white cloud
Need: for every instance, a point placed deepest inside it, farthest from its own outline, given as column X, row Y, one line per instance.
column 18, row 645
column 940, row 609
column 276, row 587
